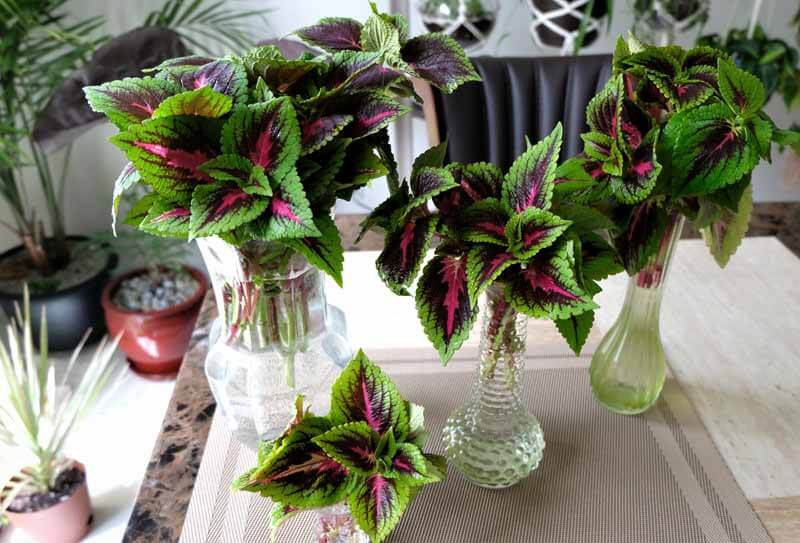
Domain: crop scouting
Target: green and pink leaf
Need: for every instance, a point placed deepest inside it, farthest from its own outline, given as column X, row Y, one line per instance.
column 353, row 445
column 333, row 34
column 529, row 182
column 130, row 100
column 404, row 251
column 532, row 231
column 218, row 208
column 439, row 59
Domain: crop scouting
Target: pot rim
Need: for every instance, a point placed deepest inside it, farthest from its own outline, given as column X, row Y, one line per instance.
column 198, row 295
column 73, row 464
column 111, row 262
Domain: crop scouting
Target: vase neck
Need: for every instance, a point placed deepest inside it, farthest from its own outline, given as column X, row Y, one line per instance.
column 264, row 303
column 646, row 288
column 502, row 349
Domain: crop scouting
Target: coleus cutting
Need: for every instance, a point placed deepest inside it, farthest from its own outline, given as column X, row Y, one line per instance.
column 515, row 229
column 673, row 132
column 367, row 452
column 259, row 147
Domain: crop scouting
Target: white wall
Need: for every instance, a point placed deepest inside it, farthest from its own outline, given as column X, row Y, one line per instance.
column 95, row 163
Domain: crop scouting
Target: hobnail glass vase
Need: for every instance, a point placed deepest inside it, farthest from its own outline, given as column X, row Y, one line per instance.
column 335, row 524
column 276, row 337
column 629, row 366
column 493, row 440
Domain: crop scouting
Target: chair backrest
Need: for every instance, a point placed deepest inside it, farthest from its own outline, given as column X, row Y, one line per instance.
column 518, row 97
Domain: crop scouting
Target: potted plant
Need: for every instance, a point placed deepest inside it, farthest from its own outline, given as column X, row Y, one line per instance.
column 772, row 60
column 517, row 241
column 568, row 27
column 660, row 20
column 154, row 308
column 674, row 135
column 43, row 60
column 469, row 22
column 365, row 459
column 48, row 498
column 248, row 154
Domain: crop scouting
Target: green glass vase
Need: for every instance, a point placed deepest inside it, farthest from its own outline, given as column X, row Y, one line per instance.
column 629, row 366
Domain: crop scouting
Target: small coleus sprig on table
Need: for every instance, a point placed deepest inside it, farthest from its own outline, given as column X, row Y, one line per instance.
column 514, row 229
column 673, row 132
column 367, row 452
column 259, row 147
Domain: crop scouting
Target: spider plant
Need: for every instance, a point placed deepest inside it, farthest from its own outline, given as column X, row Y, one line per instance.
column 37, row 414
column 39, row 49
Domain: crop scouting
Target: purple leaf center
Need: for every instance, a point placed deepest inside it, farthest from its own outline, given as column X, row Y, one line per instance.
column 281, row 208
column 453, row 276
column 179, row 158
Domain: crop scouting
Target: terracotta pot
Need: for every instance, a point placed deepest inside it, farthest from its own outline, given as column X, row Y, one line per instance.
column 154, row 341
column 66, row 522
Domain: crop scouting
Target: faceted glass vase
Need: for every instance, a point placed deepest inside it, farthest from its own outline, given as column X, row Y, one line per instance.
column 629, row 366
column 493, row 440
column 276, row 337
column 335, row 524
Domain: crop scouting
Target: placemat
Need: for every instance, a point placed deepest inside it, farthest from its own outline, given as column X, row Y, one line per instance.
column 605, row 478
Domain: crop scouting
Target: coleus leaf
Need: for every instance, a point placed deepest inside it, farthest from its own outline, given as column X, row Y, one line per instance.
column 702, row 56
column 546, row 287
column 655, row 61
column 130, row 100
column 533, row 230
column 633, row 125
column 380, row 35
column 597, row 145
column 353, row 445
column 323, row 252
column 584, row 218
column 169, row 151
column 317, row 132
column 692, row 91
column 289, row 213
column 640, row 239
column 223, row 75
column 724, row 236
column 319, row 181
column 485, row 222
column 432, row 157
column 333, row 34
column 529, row 182
column 299, row 473
column 485, row 263
column 377, row 505
column 127, row 178
column 443, row 304
column 181, row 62
column 387, row 213
column 138, row 211
column 575, row 330
column 218, row 208
column 710, row 151
column 439, row 59
column 598, row 259
column 475, row 181
column 742, row 91
column 203, row 102
column 410, row 466
column 268, row 134
column 282, row 75
column 167, row 219
column 639, row 179
column 404, row 251
column 371, row 112
column 359, row 71
column 361, row 165
column 250, row 178
column 601, row 113
column 363, row 392
column 417, row 435
column 429, row 182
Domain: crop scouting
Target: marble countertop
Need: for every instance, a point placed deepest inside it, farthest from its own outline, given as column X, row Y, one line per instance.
column 736, row 362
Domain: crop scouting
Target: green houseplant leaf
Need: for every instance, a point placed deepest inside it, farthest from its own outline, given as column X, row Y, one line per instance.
column 529, row 182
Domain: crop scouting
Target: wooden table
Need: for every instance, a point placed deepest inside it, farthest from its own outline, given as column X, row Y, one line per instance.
column 732, row 337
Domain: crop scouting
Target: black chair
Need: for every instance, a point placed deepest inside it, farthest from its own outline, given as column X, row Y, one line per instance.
column 518, row 97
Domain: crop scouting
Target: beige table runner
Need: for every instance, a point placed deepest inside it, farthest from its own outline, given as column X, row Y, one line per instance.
column 605, row 478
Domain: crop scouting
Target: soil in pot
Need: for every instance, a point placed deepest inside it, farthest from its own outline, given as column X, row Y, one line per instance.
column 67, row 483
column 16, row 270
column 156, row 290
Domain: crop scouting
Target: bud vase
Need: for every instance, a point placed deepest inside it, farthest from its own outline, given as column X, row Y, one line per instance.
column 335, row 524
column 276, row 337
column 493, row 440
column 629, row 366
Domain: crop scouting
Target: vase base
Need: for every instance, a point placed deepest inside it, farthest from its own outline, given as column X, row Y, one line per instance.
column 495, row 454
column 625, row 400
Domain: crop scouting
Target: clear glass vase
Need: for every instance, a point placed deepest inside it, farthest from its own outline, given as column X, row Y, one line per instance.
column 276, row 337
column 335, row 524
column 629, row 366
column 493, row 440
